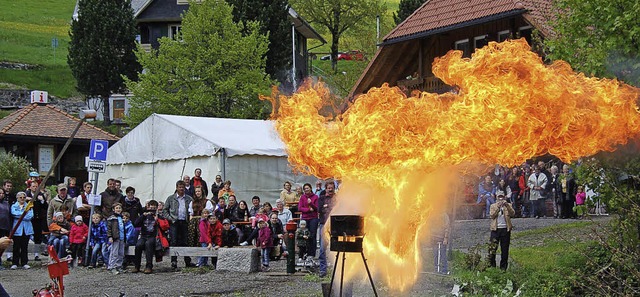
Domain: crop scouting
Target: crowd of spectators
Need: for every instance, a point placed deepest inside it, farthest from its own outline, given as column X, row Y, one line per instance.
column 195, row 215
column 528, row 188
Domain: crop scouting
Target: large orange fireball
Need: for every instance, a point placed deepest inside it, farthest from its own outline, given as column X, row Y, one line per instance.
column 395, row 153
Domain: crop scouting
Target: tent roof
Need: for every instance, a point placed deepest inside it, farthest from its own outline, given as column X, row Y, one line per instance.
column 170, row 137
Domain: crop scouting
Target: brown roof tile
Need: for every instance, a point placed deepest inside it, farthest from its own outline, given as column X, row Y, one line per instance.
column 48, row 121
column 437, row 14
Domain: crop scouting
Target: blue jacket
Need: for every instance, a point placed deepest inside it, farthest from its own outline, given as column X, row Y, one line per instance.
column 25, row 227
column 98, row 233
column 131, row 234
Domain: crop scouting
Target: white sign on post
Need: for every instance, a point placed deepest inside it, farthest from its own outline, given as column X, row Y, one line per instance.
column 94, row 199
column 96, row 166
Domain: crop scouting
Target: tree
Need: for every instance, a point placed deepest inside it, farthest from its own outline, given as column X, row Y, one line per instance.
column 612, row 267
column 405, row 9
column 211, row 69
column 102, row 49
column 14, row 168
column 338, row 16
column 598, row 37
column 273, row 18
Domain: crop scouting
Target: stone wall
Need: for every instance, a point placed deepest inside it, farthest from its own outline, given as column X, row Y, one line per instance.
column 11, row 99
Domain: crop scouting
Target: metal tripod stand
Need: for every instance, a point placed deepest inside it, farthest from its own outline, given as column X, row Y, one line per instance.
column 335, row 265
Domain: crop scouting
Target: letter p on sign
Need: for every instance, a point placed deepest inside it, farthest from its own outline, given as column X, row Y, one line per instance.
column 98, row 150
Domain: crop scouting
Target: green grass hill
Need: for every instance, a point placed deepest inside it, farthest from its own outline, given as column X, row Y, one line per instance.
column 26, row 32
column 28, row 27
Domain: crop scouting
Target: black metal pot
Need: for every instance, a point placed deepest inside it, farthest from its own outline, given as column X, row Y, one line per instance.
column 351, row 225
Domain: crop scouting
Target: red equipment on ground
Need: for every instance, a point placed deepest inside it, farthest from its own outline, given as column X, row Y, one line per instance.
column 57, row 270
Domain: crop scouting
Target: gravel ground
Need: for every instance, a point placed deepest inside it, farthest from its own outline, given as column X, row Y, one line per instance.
column 195, row 282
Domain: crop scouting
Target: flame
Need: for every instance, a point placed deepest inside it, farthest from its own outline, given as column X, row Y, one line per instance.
column 395, row 153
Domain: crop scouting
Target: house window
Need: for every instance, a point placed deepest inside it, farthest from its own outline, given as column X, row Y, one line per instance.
column 504, row 35
column 174, row 31
column 118, row 108
column 526, row 32
column 463, row 45
column 480, row 41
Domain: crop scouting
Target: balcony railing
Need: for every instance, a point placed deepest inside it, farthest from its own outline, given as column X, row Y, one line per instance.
column 429, row 84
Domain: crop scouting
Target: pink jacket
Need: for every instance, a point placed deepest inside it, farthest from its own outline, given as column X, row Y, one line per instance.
column 78, row 234
column 204, row 231
column 264, row 237
column 309, row 210
column 580, row 198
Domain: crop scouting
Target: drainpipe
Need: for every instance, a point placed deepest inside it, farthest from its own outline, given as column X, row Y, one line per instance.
column 293, row 56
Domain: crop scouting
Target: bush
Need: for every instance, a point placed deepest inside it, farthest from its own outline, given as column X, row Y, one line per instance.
column 15, row 169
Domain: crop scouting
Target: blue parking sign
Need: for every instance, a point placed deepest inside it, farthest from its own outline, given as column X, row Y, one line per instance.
column 98, row 150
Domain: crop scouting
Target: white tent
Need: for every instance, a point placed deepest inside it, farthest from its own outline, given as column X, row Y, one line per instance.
column 163, row 148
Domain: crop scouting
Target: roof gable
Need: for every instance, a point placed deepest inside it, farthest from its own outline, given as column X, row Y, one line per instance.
column 48, row 121
column 158, row 10
column 440, row 15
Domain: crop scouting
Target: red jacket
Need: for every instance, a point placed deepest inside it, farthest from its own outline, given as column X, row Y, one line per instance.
column 522, row 183
column 215, row 234
column 78, row 234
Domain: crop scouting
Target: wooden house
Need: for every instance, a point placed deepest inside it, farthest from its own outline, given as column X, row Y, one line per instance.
column 405, row 56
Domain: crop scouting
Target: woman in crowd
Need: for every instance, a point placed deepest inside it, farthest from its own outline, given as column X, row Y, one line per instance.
column 268, row 209
column 287, row 195
column 131, row 204
column 196, row 206
column 243, row 210
column 512, row 181
column 308, row 206
column 524, row 191
column 23, row 231
column 283, row 214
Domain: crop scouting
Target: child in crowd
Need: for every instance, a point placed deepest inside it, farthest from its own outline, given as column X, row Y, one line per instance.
column 254, row 221
column 116, row 234
column 229, row 235
column 78, row 239
column 260, row 215
column 581, row 197
column 302, row 235
column 131, row 233
column 98, row 241
column 59, row 234
column 265, row 242
column 204, row 239
column 73, row 191
column 213, row 238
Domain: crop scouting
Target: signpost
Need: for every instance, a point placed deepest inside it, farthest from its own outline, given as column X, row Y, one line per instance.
column 96, row 164
column 54, row 45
